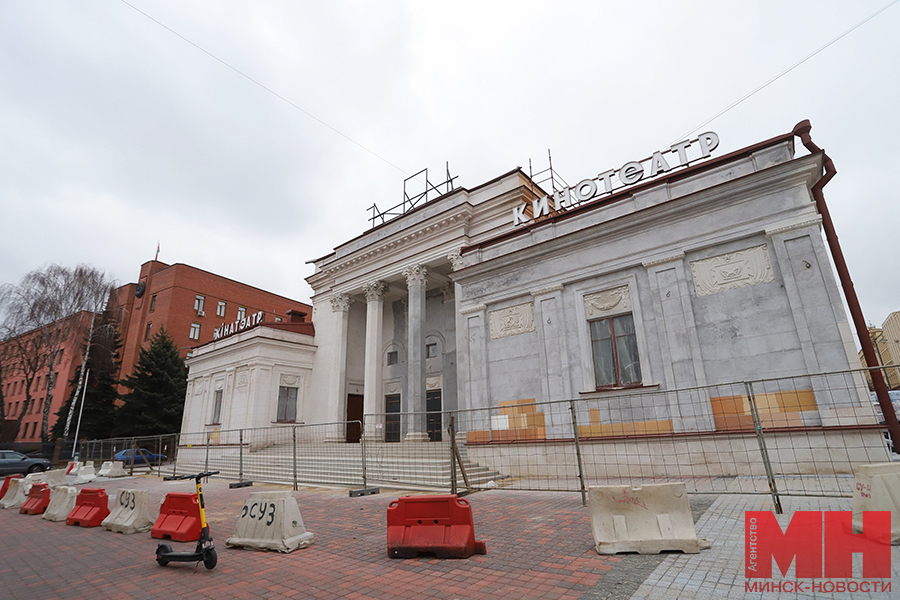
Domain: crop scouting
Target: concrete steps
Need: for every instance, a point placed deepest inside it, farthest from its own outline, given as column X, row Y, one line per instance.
column 415, row 464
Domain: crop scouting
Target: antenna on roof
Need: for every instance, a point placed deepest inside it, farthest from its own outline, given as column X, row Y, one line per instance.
column 549, row 174
column 411, row 201
column 530, row 177
column 552, row 174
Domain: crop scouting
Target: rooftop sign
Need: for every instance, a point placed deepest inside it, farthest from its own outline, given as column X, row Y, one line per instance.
column 227, row 329
column 614, row 180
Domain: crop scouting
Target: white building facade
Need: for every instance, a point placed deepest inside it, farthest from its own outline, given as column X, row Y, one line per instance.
column 259, row 377
column 681, row 270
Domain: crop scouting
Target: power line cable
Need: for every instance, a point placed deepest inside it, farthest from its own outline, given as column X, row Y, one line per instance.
column 263, row 86
column 785, row 72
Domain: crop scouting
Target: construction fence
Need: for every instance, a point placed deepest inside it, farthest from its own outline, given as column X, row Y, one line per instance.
column 800, row 435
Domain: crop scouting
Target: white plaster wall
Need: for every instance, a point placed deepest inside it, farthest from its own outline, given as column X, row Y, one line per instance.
column 323, row 401
column 751, row 332
column 248, row 368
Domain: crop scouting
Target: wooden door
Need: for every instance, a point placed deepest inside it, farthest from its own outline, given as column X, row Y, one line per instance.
column 433, row 408
column 354, row 413
column 392, row 418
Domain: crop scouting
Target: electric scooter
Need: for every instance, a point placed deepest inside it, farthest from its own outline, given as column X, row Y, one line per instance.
column 205, row 550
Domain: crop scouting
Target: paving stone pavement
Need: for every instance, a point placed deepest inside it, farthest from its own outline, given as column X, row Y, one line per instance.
column 539, row 545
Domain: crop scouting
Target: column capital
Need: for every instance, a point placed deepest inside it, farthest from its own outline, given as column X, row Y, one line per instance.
column 374, row 291
column 341, row 302
column 415, row 275
column 455, row 259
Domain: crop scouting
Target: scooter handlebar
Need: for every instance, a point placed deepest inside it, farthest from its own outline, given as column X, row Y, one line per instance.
column 197, row 476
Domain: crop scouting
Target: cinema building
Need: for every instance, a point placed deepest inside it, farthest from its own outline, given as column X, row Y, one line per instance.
column 690, row 268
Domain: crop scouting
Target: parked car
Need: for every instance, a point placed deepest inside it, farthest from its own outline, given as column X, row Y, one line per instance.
column 12, row 462
column 141, row 456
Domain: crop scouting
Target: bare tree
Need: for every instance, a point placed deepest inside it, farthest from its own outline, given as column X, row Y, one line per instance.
column 48, row 306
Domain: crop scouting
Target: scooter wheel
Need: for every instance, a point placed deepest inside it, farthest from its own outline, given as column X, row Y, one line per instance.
column 162, row 549
column 210, row 559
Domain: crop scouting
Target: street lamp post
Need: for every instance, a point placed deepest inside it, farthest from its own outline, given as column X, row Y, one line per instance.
column 75, row 453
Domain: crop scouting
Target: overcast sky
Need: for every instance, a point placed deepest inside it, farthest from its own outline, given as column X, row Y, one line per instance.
column 117, row 133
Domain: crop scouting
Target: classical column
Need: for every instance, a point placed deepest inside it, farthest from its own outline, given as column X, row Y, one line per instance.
column 374, row 328
column 415, row 348
column 340, row 303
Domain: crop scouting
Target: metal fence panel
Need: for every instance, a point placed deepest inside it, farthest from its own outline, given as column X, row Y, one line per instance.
column 800, row 435
column 287, row 454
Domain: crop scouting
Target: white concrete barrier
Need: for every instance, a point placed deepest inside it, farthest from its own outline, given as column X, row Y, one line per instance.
column 645, row 519
column 62, row 501
column 130, row 512
column 72, row 467
column 15, row 494
column 270, row 521
column 31, row 479
column 112, row 468
column 86, row 473
column 55, row 477
column 877, row 487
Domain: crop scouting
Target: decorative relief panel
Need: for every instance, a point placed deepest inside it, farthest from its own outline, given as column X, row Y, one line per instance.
column 220, row 384
column 512, row 321
column 242, row 378
column 391, row 387
column 289, row 380
column 732, row 271
column 435, row 382
column 608, row 302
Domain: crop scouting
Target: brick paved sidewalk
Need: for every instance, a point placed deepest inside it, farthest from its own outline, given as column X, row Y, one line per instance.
column 539, row 546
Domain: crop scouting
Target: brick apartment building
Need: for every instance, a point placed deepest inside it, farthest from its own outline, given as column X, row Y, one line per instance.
column 191, row 304
column 14, row 393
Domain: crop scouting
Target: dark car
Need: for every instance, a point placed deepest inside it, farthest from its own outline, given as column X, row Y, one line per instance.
column 141, row 457
column 12, row 462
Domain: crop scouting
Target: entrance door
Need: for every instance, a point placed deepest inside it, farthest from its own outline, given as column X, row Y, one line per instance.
column 433, row 408
column 392, row 418
column 354, row 413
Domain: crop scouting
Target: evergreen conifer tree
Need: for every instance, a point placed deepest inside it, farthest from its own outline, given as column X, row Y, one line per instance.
column 98, row 415
column 155, row 404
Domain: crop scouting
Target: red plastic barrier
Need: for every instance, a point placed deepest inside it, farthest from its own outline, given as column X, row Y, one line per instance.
column 91, row 507
column 179, row 518
column 38, row 500
column 439, row 525
column 6, row 484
